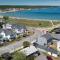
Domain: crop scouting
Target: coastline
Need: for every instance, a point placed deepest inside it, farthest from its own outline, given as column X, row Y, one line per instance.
column 31, row 19
column 31, row 22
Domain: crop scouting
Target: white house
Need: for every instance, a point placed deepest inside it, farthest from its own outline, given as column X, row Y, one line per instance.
column 44, row 39
column 58, row 45
column 7, row 26
column 29, row 50
column 3, row 34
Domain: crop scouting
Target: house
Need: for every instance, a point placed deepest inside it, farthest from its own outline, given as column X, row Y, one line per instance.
column 58, row 45
column 56, row 30
column 7, row 34
column 56, row 37
column 28, row 51
column 19, row 29
column 7, row 26
column 44, row 39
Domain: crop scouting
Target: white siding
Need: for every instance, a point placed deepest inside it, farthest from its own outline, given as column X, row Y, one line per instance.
column 58, row 45
column 41, row 41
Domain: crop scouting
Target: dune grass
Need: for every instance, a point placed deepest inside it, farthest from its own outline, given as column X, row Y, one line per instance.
column 30, row 22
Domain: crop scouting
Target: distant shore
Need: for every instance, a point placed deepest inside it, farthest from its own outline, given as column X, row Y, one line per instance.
column 8, row 11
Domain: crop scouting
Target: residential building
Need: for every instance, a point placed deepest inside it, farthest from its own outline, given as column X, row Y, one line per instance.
column 58, row 45
column 44, row 39
column 28, row 51
column 7, row 34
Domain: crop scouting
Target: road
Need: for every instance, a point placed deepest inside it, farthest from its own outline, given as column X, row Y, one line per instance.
column 41, row 57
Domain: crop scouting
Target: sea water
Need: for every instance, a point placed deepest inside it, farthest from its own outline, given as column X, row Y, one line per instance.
column 51, row 13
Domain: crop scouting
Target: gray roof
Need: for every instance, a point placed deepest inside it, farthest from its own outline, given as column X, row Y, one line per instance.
column 50, row 36
column 47, row 36
column 56, row 36
column 7, row 31
column 18, row 26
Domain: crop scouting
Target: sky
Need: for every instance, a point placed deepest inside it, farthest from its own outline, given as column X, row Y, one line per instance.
column 30, row 2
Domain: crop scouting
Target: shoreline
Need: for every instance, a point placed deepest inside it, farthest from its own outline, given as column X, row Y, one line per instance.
column 32, row 23
column 31, row 19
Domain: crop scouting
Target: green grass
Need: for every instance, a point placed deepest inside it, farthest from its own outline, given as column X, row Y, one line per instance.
column 30, row 22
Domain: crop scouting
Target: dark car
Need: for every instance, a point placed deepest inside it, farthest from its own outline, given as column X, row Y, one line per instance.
column 49, row 58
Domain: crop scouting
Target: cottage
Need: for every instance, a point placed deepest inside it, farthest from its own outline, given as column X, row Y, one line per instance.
column 7, row 34
column 30, row 51
column 57, row 38
column 58, row 45
column 44, row 39
column 19, row 29
column 7, row 26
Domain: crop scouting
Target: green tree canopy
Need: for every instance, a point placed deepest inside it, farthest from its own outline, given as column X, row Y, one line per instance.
column 19, row 56
column 26, row 44
column 1, row 58
column 5, row 18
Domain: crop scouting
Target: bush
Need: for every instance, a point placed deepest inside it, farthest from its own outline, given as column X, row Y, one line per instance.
column 26, row 44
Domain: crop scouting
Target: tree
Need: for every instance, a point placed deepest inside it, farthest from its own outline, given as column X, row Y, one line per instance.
column 1, row 25
column 5, row 18
column 30, row 57
column 26, row 44
column 1, row 58
column 19, row 56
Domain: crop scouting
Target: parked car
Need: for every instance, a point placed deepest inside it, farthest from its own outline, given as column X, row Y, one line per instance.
column 49, row 58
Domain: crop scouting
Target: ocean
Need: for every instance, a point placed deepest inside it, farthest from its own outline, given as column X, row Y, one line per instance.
column 52, row 13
